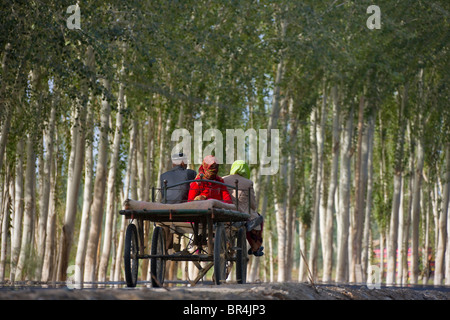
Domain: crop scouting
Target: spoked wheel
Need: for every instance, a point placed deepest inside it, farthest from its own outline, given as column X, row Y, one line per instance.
column 220, row 252
column 158, row 265
column 241, row 256
column 130, row 257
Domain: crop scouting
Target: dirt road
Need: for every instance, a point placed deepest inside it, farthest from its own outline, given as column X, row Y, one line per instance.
column 254, row 291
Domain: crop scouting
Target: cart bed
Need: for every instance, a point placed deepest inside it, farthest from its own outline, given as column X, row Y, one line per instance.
column 196, row 211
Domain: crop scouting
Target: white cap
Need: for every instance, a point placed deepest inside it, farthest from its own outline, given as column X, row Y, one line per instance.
column 178, row 158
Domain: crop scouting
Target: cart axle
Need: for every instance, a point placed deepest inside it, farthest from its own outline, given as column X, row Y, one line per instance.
column 204, row 257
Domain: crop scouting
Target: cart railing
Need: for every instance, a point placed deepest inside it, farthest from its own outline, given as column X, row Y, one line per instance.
column 235, row 188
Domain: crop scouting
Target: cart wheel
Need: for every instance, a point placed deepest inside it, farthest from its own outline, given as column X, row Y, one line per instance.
column 241, row 256
column 158, row 265
column 220, row 250
column 130, row 257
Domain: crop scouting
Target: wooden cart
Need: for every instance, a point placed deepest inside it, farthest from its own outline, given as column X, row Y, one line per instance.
column 218, row 237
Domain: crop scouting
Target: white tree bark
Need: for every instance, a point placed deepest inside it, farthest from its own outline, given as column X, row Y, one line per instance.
column 368, row 209
column 398, row 181
column 87, row 198
column 45, row 196
column 291, row 189
column 343, row 222
column 76, row 161
column 328, row 253
column 318, row 198
column 48, row 268
column 273, row 123
column 416, row 213
column 442, row 227
column 302, row 270
column 88, row 173
column 358, row 211
column 5, row 211
column 99, row 190
column 107, row 239
column 29, row 210
column 18, row 209
column 7, row 123
column 447, row 195
column 126, row 190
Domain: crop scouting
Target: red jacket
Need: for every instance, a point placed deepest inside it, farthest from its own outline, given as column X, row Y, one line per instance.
column 210, row 191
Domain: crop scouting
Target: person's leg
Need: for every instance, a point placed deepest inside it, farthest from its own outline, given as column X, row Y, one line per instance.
column 254, row 238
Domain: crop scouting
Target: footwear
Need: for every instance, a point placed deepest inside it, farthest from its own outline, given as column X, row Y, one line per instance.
column 257, row 253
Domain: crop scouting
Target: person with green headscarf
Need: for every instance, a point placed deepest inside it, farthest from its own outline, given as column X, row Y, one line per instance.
column 241, row 168
column 240, row 171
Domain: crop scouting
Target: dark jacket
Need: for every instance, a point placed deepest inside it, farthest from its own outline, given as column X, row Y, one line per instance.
column 176, row 175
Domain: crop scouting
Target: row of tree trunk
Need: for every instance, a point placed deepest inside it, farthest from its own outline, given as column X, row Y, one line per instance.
column 341, row 183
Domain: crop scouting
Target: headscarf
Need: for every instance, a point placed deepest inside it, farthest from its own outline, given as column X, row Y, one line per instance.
column 241, row 168
column 209, row 168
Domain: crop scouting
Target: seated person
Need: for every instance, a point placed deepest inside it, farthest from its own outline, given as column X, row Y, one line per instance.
column 179, row 173
column 204, row 190
column 241, row 172
column 178, row 194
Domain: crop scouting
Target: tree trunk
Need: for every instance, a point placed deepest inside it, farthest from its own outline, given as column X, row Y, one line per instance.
column 87, row 196
column 398, row 180
column 149, row 170
column 447, row 251
column 5, row 211
column 107, row 238
column 442, row 227
column 140, row 162
column 318, row 198
column 126, row 191
column 29, row 210
column 358, row 212
column 328, row 253
column 18, row 209
column 99, row 190
column 291, row 189
column 73, row 187
column 7, row 123
column 302, row 270
column 426, row 211
column 273, row 123
column 415, row 219
column 365, row 255
column 45, row 197
column 407, row 226
column 48, row 268
column 271, row 262
column 382, row 243
column 401, row 230
column 344, row 199
column 314, row 228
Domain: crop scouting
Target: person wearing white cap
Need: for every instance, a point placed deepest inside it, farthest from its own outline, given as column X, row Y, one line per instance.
column 179, row 173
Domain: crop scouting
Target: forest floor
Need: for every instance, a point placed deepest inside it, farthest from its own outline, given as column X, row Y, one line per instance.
column 251, row 291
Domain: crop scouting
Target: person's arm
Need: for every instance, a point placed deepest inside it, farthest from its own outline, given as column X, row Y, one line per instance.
column 226, row 195
column 193, row 191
